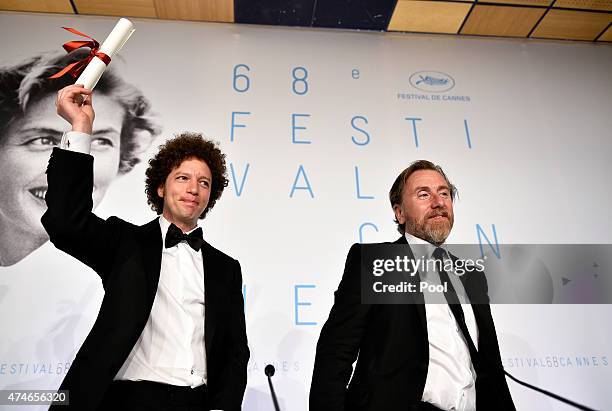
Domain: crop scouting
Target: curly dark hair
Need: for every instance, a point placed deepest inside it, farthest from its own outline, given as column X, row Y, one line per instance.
column 27, row 82
column 171, row 154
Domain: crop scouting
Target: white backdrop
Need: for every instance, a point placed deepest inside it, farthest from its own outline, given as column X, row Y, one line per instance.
column 524, row 131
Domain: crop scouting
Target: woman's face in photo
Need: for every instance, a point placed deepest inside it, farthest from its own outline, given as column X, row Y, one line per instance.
column 25, row 151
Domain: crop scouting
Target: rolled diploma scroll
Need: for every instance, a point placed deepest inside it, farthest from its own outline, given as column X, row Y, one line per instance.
column 111, row 46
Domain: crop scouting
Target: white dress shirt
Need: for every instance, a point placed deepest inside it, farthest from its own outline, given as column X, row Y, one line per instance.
column 171, row 348
column 451, row 378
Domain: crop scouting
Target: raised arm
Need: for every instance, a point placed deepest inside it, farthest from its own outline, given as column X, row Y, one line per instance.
column 69, row 221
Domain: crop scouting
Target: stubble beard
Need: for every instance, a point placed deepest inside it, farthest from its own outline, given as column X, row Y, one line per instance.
column 434, row 232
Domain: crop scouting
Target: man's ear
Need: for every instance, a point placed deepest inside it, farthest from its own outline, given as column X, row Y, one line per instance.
column 399, row 215
column 160, row 191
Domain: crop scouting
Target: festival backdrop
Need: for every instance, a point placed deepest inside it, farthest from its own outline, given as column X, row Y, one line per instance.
column 316, row 125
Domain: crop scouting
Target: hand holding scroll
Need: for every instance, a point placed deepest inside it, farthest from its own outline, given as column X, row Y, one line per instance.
column 72, row 108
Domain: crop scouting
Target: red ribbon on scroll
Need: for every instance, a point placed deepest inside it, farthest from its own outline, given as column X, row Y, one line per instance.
column 75, row 69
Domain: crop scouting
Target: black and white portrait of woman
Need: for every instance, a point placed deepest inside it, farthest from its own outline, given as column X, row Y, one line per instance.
column 30, row 128
column 47, row 302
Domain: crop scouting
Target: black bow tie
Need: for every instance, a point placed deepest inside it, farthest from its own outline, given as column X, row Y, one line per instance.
column 175, row 236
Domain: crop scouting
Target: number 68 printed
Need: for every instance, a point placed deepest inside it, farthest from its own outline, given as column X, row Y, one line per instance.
column 241, row 82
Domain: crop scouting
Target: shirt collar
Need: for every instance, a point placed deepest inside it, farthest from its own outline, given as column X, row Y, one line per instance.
column 423, row 248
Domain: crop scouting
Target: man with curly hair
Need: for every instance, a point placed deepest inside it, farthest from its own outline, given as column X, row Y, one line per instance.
column 171, row 333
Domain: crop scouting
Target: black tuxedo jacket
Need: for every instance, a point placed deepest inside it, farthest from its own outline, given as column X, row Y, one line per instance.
column 390, row 344
column 128, row 258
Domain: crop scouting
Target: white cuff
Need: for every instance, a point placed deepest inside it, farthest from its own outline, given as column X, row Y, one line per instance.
column 76, row 141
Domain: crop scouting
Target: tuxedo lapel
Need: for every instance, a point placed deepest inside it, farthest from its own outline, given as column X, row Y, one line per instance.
column 151, row 245
column 418, row 298
column 211, row 269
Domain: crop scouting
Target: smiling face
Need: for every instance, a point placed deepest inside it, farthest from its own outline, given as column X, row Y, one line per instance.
column 24, row 153
column 186, row 192
column 427, row 206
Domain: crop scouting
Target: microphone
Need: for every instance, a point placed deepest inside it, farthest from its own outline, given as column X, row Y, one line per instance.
column 548, row 393
column 269, row 371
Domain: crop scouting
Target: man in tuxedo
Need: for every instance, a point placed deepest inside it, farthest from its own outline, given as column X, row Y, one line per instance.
column 170, row 333
column 418, row 356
